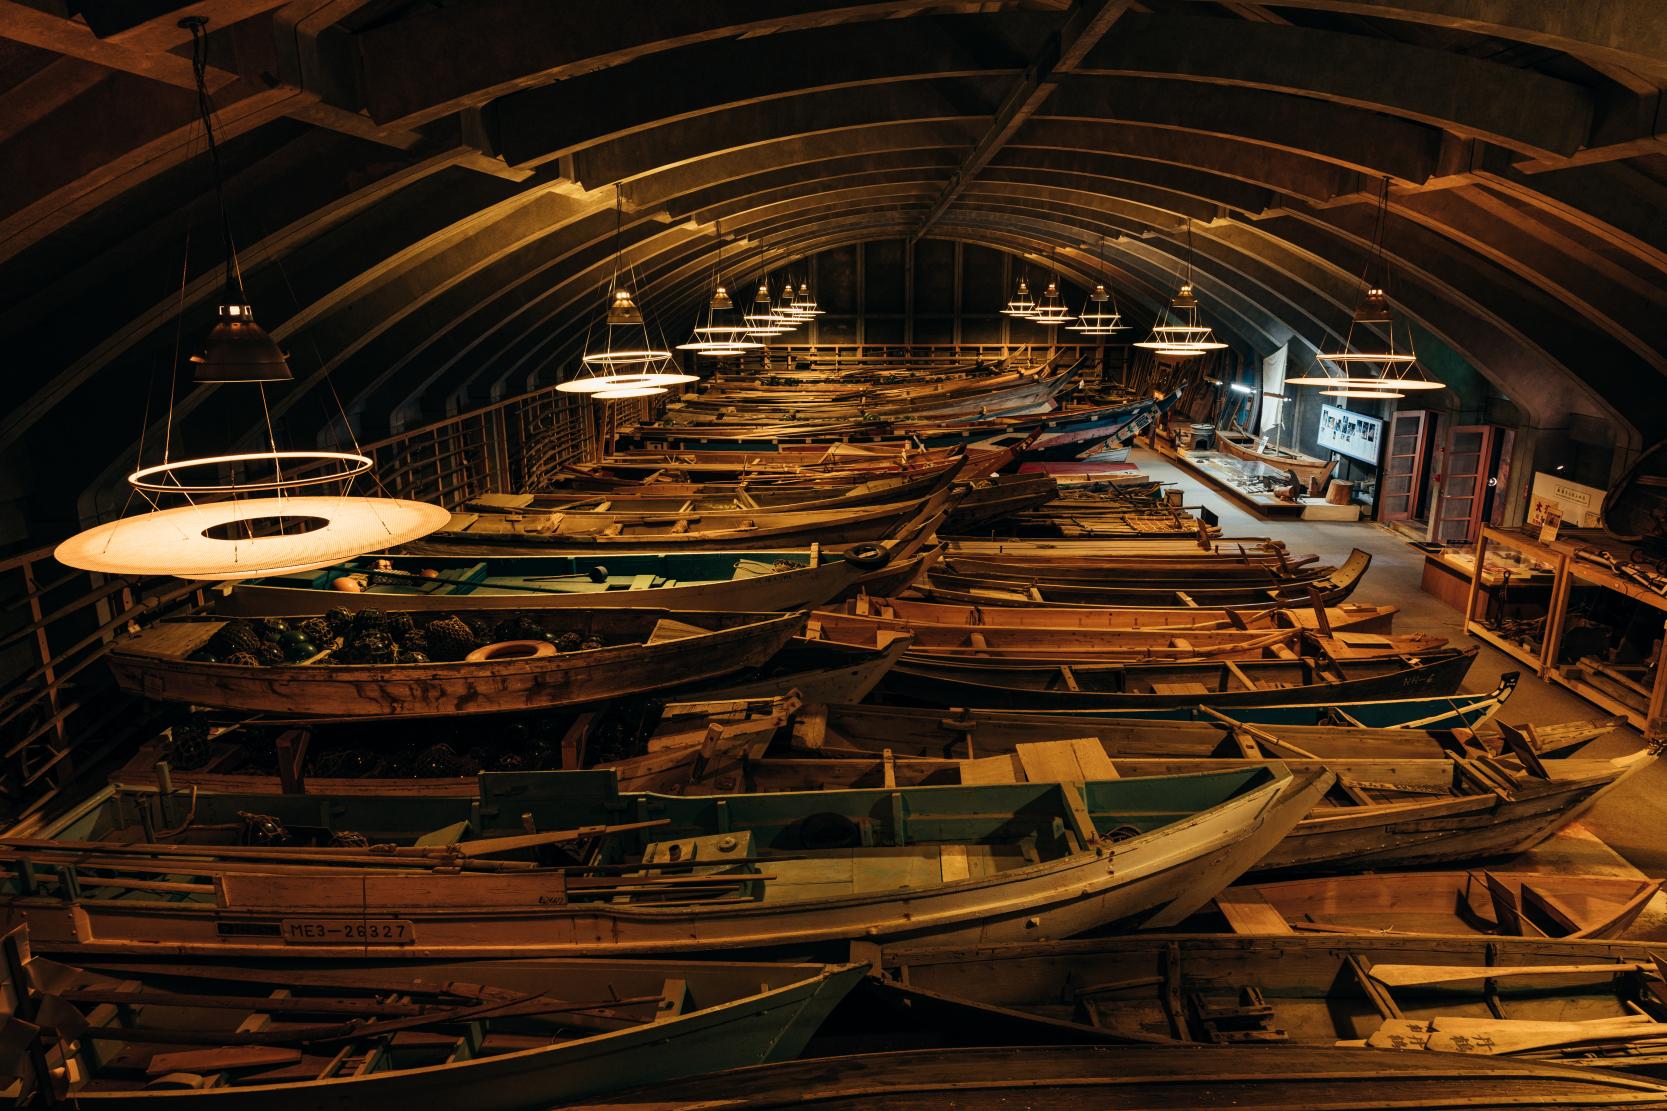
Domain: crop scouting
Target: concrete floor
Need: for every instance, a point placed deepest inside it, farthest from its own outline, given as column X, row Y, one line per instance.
column 1624, row 833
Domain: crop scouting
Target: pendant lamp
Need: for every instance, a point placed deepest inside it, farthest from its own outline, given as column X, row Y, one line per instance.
column 721, row 334
column 1178, row 332
column 221, row 533
column 1095, row 320
column 1050, row 310
column 1021, row 305
column 626, row 356
column 761, row 317
column 804, row 304
column 1370, row 364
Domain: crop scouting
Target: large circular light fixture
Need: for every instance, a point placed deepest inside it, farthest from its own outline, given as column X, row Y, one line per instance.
column 1021, row 305
column 249, row 537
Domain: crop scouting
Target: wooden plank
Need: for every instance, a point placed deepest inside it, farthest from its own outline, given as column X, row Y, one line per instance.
column 216, row 1060
column 1248, row 911
column 952, row 863
column 1405, row 975
column 989, row 769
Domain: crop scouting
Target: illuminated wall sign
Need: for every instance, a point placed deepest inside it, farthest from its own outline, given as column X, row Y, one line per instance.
column 1352, row 434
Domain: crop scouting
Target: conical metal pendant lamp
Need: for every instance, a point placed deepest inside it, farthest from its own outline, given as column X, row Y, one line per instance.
column 1370, row 365
column 1095, row 320
column 721, row 335
column 1178, row 331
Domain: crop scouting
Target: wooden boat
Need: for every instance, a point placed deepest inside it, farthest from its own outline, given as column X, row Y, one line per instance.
column 497, row 1035
column 640, row 650
column 660, row 498
column 1448, row 711
column 1348, row 617
column 1142, row 522
column 1242, row 445
column 962, row 734
column 991, row 499
column 819, row 670
column 1173, row 573
column 1510, row 904
column 1331, row 589
column 1022, row 548
column 1400, row 812
column 1222, row 684
column 398, row 756
column 651, row 874
column 753, row 466
column 1041, row 644
column 1275, row 1078
column 532, row 534
column 1589, row 1002
column 755, row 581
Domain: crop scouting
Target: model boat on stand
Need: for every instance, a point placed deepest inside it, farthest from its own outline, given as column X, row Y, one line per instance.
column 563, row 864
column 1312, row 472
column 498, row 1035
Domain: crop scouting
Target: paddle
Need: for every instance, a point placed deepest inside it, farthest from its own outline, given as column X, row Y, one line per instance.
column 1411, row 975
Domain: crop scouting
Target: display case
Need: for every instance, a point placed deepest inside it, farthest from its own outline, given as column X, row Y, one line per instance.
column 1606, row 642
column 1513, row 586
column 1582, row 618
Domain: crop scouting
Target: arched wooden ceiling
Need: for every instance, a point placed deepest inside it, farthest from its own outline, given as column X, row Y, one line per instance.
column 423, row 190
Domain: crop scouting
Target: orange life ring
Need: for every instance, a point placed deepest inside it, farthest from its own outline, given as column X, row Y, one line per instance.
column 512, row 650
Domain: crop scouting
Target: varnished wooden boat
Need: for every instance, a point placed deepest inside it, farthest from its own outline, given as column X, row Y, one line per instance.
column 991, row 499
column 841, row 468
column 1224, row 684
column 1144, row 522
column 643, row 650
column 500, row 1035
column 1485, row 996
column 531, row 534
column 754, row 581
column 1023, row 548
column 1140, row 1078
column 379, row 757
column 1242, row 445
column 1348, row 617
column 1331, row 589
column 1400, row 812
column 1067, row 645
column 964, row 734
column 662, row 498
column 1574, row 907
column 655, row 875
column 1174, row 573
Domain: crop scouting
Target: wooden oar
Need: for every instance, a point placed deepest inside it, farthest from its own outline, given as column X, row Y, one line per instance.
column 1411, row 975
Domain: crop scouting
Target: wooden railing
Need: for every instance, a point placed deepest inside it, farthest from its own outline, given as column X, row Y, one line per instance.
column 60, row 714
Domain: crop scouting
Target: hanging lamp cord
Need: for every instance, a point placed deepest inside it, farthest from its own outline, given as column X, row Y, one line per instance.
column 205, row 108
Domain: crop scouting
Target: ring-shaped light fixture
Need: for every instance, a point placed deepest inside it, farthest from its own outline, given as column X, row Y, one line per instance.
column 628, row 391
column 640, row 356
column 178, row 542
column 1385, row 394
column 353, row 465
column 596, row 383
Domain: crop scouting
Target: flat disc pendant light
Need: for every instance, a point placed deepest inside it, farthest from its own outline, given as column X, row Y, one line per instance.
column 233, row 536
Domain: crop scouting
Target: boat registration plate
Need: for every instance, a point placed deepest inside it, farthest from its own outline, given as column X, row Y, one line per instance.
column 348, row 931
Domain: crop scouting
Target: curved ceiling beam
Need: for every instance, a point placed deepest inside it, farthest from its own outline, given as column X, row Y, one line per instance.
column 1505, row 105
